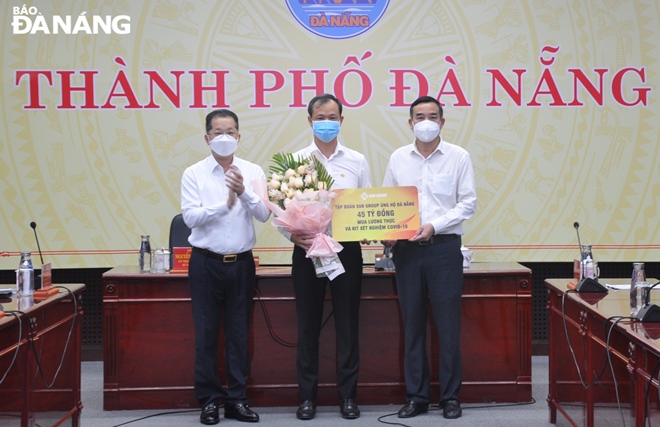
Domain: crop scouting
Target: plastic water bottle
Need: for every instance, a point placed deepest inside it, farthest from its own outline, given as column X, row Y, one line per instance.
column 641, row 292
column 589, row 268
column 158, row 265
column 586, row 254
column 145, row 255
column 25, row 275
column 638, row 275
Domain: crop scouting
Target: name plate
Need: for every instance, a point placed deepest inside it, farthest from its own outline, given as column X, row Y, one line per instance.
column 46, row 276
column 381, row 213
column 180, row 260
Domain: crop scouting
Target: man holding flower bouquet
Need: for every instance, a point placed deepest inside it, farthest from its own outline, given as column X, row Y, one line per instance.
column 348, row 169
column 219, row 204
column 429, row 266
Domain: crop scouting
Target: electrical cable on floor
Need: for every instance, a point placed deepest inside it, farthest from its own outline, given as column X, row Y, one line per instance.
column 156, row 415
column 380, row 420
column 503, row 405
column 273, row 335
column 467, row 408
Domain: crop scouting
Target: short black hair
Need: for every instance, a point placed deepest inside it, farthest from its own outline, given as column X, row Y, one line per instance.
column 424, row 100
column 220, row 113
column 320, row 100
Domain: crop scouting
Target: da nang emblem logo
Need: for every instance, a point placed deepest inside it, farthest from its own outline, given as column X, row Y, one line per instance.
column 337, row 19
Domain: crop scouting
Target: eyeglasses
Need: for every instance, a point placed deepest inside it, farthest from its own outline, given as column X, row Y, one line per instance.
column 231, row 133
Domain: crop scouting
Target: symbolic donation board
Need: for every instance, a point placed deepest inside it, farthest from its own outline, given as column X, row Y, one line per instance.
column 382, row 213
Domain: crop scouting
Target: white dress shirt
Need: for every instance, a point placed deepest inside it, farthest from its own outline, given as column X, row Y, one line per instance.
column 445, row 184
column 204, row 206
column 348, row 168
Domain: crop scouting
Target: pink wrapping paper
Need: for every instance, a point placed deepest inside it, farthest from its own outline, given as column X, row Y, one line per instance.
column 305, row 215
column 323, row 246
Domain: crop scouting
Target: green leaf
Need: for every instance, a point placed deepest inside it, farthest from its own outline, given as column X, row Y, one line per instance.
column 285, row 161
column 323, row 174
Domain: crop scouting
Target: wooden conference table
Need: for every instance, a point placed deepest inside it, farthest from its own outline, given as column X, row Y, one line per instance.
column 149, row 340
column 580, row 351
column 42, row 361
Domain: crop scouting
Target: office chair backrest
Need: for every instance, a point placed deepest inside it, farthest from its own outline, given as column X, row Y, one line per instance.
column 179, row 233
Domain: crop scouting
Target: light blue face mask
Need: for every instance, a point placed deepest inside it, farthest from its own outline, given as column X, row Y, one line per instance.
column 325, row 130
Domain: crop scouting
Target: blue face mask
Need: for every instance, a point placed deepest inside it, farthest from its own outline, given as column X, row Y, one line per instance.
column 325, row 130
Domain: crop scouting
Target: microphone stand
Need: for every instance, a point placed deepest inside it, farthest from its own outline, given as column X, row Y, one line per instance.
column 34, row 228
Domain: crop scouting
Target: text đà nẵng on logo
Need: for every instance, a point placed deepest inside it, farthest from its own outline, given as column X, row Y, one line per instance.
column 29, row 21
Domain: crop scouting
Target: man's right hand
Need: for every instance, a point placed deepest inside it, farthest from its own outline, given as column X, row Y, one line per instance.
column 302, row 240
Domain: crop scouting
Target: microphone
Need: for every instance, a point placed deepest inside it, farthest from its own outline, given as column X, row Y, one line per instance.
column 34, row 228
column 46, row 290
column 576, row 225
column 587, row 284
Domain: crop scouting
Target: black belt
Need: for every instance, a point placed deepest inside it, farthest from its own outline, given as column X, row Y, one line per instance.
column 439, row 238
column 226, row 258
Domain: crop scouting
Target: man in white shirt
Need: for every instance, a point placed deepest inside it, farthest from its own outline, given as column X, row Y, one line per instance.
column 219, row 203
column 349, row 169
column 430, row 264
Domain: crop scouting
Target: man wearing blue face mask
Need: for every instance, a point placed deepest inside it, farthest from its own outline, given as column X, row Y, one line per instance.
column 349, row 169
column 429, row 266
column 219, row 204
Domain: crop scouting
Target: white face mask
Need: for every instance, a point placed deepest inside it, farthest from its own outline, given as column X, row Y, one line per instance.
column 224, row 145
column 426, row 130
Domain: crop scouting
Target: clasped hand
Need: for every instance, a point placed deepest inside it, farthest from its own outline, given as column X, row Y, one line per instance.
column 234, row 181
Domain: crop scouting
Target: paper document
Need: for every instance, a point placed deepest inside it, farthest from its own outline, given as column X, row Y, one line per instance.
column 622, row 287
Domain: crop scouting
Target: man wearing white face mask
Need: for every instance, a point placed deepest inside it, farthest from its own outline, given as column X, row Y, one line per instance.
column 219, row 204
column 349, row 169
column 429, row 266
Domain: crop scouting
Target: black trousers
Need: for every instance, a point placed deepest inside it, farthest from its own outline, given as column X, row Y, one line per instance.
column 221, row 291
column 310, row 293
column 430, row 273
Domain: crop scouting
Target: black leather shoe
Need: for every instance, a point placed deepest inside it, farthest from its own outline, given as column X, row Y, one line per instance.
column 349, row 409
column 412, row 409
column 210, row 414
column 451, row 409
column 241, row 412
column 306, row 410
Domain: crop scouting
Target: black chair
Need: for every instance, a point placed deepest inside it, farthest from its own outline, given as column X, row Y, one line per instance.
column 179, row 233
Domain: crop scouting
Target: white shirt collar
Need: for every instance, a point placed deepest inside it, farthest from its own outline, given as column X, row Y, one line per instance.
column 313, row 148
column 212, row 163
column 441, row 147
